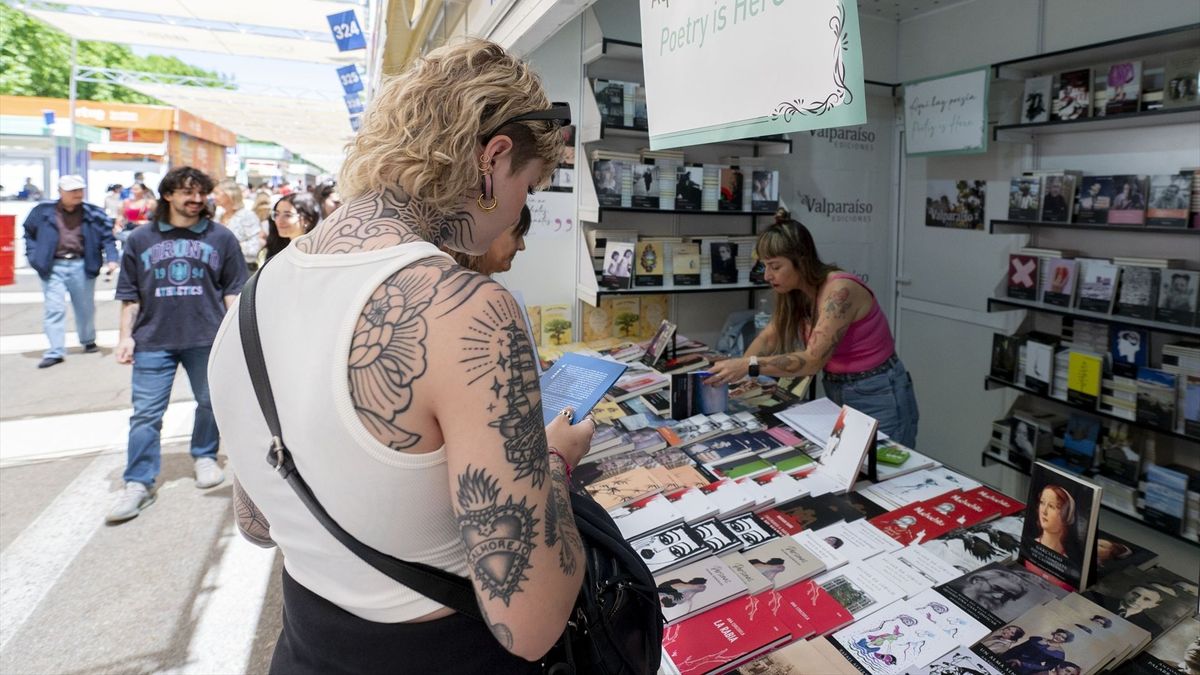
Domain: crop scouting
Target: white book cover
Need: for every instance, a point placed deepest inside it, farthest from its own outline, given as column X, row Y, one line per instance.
column 669, row 548
column 693, row 588
column 828, row 555
column 970, row 548
column 895, row 640
column 762, row 498
column 729, row 497
column 1035, row 106
column 785, row 561
column 923, row 485
column 960, row 660
column 855, row 542
column 909, row 580
column 814, row 420
column 925, row 563
column 749, row 574
column 645, row 516
column 692, row 504
column 951, row 619
column 853, row 434
column 781, row 487
column 860, row 590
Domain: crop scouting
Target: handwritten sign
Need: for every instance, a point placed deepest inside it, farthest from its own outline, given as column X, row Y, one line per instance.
column 947, row 115
column 714, row 70
column 553, row 214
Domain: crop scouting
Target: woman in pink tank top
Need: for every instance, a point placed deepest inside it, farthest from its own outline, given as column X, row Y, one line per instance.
column 826, row 321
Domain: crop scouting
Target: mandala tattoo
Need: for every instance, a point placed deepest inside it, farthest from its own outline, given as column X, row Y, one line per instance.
column 500, row 355
column 385, row 219
column 499, row 537
column 559, row 530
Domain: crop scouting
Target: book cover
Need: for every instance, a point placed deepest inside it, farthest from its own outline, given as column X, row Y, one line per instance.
column 815, row 607
column 758, row 269
column 922, row 562
column 646, row 516
column 732, row 185
column 1079, row 444
column 717, row 536
column 1166, row 498
column 1072, row 95
column 618, row 265
column 624, row 488
column 1180, row 75
column 1060, row 526
column 1035, row 105
column 1177, row 297
column 751, row 529
column 1095, row 198
column 1178, row 650
column 646, row 189
column 556, row 325
column 958, row 662
column 1153, row 599
column 861, row 591
column 625, row 312
column 1114, row 554
column 685, row 264
column 718, row 639
column 764, row 195
column 852, row 436
column 648, row 264
column 688, row 190
column 896, row 640
column 1039, row 367
column 670, row 548
column 663, row 337
column 1191, row 405
column 921, row 521
column 1124, row 86
column 955, row 203
column 1083, row 378
column 1097, row 285
column 724, row 262
column 610, row 97
column 1129, row 201
column 1060, row 276
column 576, row 381
column 1137, row 296
column 640, row 118
column 970, row 548
column 784, row 562
column 1038, row 641
column 1058, row 196
column 606, row 175
column 748, row 574
column 1005, row 505
column 1005, row 350
column 1023, row 276
column 1170, row 199
column 695, row 587
column 998, row 593
column 597, row 321
column 692, row 504
column 1156, row 398
column 857, row 540
column 729, row 497
column 1023, row 196
column 655, row 308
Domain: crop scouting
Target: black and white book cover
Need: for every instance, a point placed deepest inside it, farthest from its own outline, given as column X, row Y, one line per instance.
column 646, row 189
column 606, row 174
column 999, row 593
column 724, row 262
column 1005, row 352
column 1097, row 285
column 1095, row 199
column 717, row 537
column 1153, row 599
column 1156, row 396
column 1061, row 514
column 751, row 529
column 1058, row 196
column 1180, row 75
column 1177, row 297
column 1170, row 199
column 689, row 191
column 1039, row 367
column 1023, row 196
column 1072, row 95
column 732, row 185
column 610, row 96
column 1137, row 296
column 1129, row 200
column 1035, row 105
column 618, row 265
column 764, row 193
column 670, row 548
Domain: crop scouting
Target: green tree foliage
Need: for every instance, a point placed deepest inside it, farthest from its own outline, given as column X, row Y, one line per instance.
column 35, row 60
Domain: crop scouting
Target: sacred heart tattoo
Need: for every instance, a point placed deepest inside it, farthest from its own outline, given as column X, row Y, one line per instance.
column 499, row 536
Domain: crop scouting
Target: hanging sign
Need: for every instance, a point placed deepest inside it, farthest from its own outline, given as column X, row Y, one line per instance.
column 355, row 122
column 742, row 68
column 346, row 31
column 947, row 115
column 354, row 104
column 350, row 79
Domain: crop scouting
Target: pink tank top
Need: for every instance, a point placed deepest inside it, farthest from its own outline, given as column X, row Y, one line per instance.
column 867, row 343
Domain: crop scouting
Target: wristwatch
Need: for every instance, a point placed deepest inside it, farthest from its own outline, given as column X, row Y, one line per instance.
column 753, row 370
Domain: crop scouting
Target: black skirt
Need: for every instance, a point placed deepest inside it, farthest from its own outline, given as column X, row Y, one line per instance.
column 320, row 637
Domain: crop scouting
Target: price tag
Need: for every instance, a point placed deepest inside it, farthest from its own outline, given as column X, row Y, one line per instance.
column 350, row 79
column 346, row 32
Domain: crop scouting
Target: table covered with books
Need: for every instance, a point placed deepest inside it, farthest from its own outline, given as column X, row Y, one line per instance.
column 774, row 552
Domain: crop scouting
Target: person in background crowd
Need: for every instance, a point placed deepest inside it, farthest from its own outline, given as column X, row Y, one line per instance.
column 500, row 254
column 233, row 214
column 395, row 423
column 112, row 202
column 29, row 191
column 284, row 188
column 262, row 208
column 66, row 243
column 293, row 216
column 826, row 320
column 177, row 279
column 136, row 211
column 327, row 196
column 138, row 177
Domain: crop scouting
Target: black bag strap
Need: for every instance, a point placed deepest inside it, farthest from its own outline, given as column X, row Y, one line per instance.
column 451, row 590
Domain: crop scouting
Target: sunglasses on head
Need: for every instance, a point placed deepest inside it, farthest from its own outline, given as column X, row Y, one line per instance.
column 559, row 113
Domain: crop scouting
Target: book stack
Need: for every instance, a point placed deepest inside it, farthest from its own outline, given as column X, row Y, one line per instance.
column 612, row 174
column 668, row 163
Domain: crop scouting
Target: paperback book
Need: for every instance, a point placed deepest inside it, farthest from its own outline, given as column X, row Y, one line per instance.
column 1084, row 371
column 606, row 174
column 1023, row 196
column 1138, row 294
column 685, row 264
column 695, row 587
column 578, row 382
column 1072, row 95
column 1129, row 201
column 861, row 591
column 724, row 262
column 764, row 195
column 732, row 185
column 1153, row 599
column 1059, row 538
column 1170, row 198
column 688, row 187
column 663, row 338
column 895, row 640
column 1005, row 350
column 1079, row 444
column 1059, row 287
column 671, row 548
column 1166, row 498
column 1023, row 276
column 719, row 639
column 1097, row 285
column 1035, row 106
column 1177, row 297
column 1095, row 199
column 1124, row 84
column 971, row 548
column 1058, row 196
column 999, row 593
column 784, row 562
column 618, row 265
column 1156, row 398
column 1039, row 366
column 646, row 189
column 649, row 265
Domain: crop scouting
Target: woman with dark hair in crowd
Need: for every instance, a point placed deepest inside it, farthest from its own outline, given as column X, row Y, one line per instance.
column 293, row 216
column 137, row 210
column 499, row 256
column 327, row 197
column 826, row 320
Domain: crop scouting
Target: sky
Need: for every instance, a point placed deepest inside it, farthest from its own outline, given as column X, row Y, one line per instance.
column 300, row 75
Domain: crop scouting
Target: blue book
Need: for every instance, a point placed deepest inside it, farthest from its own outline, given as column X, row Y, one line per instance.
column 1080, row 440
column 1166, row 498
column 578, row 382
column 1129, row 349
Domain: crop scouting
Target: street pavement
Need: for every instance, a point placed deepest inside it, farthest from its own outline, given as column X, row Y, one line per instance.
column 175, row 590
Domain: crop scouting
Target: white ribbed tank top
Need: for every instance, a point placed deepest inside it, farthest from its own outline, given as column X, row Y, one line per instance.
column 396, row 502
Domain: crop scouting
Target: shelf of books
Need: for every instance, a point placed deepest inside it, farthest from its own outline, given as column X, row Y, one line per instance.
column 765, row 145
column 1004, row 132
column 995, row 225
column 989, row 458
column 1008, row 304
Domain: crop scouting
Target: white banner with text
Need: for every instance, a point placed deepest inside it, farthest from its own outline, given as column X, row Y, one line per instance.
column 947, row 115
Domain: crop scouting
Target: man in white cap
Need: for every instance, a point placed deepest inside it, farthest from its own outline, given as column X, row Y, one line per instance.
column 67, row 242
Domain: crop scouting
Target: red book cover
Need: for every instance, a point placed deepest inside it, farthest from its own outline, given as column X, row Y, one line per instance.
column 1008, row 505
column 816, row 607
column 903, row 524
column 723, row 636
column 787, row 612
column 781, row 522
column 976, row 510
column 920, row 522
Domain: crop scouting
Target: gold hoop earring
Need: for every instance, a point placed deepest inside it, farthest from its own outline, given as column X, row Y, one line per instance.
column 485, row 207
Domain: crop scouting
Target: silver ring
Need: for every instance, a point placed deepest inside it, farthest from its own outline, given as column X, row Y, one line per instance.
column 566, row 412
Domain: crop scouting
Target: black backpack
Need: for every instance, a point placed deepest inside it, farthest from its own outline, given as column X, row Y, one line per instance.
column 616, row 625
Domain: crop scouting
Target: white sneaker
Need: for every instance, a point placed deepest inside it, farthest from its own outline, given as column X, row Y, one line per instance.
column 134, row 498
column 208, row 473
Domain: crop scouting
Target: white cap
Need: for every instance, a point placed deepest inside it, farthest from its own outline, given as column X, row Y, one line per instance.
column 71, row 182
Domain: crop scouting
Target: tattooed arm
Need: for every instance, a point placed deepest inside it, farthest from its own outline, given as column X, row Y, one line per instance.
column 766, row 342
column 509, row 492
column 250, row 521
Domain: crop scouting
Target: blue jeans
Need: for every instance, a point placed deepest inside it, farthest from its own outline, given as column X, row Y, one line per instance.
column 67, row 276
column 153, row 375
column 886, row 396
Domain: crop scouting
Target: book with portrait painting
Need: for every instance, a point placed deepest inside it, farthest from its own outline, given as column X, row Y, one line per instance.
column 648, row 265
column 1178, row 293
column 724, row 262
column 1128, row 201
column 1094, row 200
column 1059, row 539
column 732, row 183
column 1058, row 196
column 764, row 192
column 1170, row 198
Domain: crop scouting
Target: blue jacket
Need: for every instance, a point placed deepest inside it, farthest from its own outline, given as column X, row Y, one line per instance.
column 41, row 238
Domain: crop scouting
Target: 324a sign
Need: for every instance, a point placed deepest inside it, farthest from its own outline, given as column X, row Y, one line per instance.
column 346, row 32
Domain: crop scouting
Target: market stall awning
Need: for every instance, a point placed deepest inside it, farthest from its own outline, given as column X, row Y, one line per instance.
column 279, row 29
column 318, row 130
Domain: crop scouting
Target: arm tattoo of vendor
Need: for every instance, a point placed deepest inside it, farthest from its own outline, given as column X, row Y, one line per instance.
column 838, row 303
column 499, row 536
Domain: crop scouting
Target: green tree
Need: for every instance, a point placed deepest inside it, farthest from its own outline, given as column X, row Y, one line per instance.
column 556, row 328
column 35, row 60
column 625, row 321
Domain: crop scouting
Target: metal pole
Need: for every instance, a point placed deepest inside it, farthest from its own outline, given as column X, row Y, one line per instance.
column 71, row 104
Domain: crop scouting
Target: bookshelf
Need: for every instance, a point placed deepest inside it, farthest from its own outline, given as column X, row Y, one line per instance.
column 1132, row 47
column 988, row 458
column 994, row 382
column 672, row 289
column 683, row 212
column 1147, row 118
column 1008, row 304
column 995, row 224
